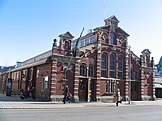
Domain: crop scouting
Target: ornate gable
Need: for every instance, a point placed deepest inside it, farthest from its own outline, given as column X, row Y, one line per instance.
column 67, row 35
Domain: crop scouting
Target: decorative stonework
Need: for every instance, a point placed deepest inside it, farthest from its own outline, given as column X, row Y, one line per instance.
column 98, row 66
column 76, row 81
column 53, row 77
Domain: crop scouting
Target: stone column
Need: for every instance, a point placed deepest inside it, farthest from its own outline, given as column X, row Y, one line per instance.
column 98, row 66
column 76, row 81
column 89, row 89
column 153, row 80
column 53, row 78
column 142, row 78
column 127, row 75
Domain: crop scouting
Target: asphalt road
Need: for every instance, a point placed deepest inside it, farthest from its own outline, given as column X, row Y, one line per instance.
column 125, row 113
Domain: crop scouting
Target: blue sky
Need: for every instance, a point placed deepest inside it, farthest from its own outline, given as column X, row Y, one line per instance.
column 28, row 27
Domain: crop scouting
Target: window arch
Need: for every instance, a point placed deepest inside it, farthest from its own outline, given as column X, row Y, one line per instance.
column 91, row 71
column 105, row 37
column 112, row 66
column 110, row 86
column 91, row 67
column 112, row 40
column 67, row 45
column 83, row 70
column 104, row 65
column 120, row 67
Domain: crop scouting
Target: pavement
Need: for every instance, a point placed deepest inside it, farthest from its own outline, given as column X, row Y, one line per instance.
column 14, row 102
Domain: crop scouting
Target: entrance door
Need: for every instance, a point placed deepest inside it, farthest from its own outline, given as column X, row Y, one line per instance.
column 83, row 90
column 93, row 90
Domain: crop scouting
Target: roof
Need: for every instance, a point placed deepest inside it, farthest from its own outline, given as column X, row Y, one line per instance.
column 112, row 18
column 118, row 29
column 67, row 34
column 146, row 51
column 103, row 27
column 122, row 31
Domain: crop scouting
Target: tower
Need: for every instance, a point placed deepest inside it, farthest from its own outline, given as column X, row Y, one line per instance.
column 65, row 43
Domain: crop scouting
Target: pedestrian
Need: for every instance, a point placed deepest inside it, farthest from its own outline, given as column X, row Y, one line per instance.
column 118, row 97
column 66, row 93
column 22, row 95
column 70, row 97
column 33, row 92
column 28, row 92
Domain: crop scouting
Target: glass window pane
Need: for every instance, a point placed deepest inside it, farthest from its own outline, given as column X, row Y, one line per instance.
column 104, row 65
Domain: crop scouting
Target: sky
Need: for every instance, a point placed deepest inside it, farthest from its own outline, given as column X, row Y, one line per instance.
column 28, row 27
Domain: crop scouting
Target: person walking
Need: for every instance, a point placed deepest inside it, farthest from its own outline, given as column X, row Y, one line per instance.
column 66, row 92
column 118, row 97
column 32, row 90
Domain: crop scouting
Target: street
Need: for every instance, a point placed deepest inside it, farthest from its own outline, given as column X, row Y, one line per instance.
column 14, row 109
column 123, row 113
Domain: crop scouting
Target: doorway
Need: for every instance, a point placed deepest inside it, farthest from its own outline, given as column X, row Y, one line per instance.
column 93, row 90
column 83, row 90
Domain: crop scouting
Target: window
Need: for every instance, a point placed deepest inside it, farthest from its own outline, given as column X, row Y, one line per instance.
column 136, row 75
column 120, row 67
column 87, row 41
column 105, row 37
column 92, row 39
column 108, row 87
column 112, row 66
column 82, row 43
column 91, row 71
column 45, row 83
column 112, row 42
column 104, row 65
column 83, row 70
column 111, row 86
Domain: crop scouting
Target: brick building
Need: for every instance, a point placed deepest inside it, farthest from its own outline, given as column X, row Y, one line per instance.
column 93, row 66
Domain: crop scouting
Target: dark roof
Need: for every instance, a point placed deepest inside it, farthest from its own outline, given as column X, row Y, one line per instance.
column 121, row 31
column 103, row 27
column 6, row 68
column 118, row 29
column 67, row 34
column 146, row 51
column 113, row 18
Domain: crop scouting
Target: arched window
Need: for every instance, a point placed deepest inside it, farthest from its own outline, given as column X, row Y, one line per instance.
column 91, row 66
column 112, row 66
column 110, row 86
column 120, row 67
column 112, row 42
column 91, row 71
column 106, row 38
column 66, row 47
column 83, row 70
column 104, row 65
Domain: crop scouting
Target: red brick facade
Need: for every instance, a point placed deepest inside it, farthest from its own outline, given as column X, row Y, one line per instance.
column 102, row 64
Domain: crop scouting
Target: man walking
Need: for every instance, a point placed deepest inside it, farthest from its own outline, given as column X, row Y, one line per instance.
column 66, row 92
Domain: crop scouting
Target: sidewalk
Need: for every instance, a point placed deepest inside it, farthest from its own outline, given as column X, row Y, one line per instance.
column 7, row 102
column 55, row 105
